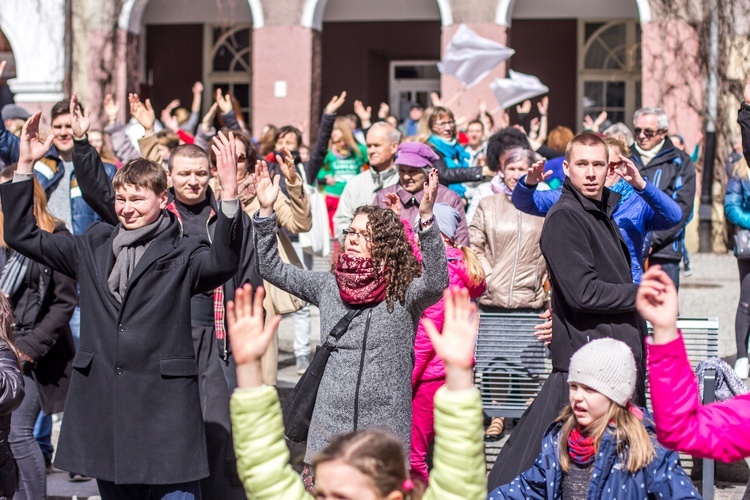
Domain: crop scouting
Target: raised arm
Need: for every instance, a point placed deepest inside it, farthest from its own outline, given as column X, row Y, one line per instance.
column 195, row 109
column 573, row 270
column 457, row 175
column 525, row 196
column 318, row 153
column 666, row 213
column 294, row 213
column 425, row 290
column 303, row 284
column 58, row 251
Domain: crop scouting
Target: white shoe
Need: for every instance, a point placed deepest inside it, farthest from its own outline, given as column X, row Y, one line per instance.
column 742, row 368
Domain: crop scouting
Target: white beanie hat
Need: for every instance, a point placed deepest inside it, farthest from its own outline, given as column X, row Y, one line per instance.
column 606, row 366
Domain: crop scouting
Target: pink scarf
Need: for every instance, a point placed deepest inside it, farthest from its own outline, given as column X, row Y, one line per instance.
column 357, row 281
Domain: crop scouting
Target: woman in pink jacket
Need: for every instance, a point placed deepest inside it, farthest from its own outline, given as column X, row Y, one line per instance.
column 719, row 431
column 464, row 271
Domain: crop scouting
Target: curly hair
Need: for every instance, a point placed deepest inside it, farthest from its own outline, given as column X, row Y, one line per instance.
column 501, row 141
column 391, row 251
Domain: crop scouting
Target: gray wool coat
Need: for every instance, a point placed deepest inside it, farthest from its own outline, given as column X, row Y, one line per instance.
column 384, row 399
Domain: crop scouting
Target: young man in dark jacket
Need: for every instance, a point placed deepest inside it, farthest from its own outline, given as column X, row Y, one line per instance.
column 672, row 171
column 593, row 295
column 133, row 414
column 191, row 201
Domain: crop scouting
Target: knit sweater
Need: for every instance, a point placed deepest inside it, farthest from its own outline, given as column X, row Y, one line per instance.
column 263, row 458
column 384, row 398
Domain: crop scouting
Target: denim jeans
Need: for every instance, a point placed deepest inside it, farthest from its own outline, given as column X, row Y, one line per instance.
column 182, row 491
column 32, row 473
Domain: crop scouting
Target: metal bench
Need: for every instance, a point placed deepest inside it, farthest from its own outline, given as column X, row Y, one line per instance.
column 511, row 365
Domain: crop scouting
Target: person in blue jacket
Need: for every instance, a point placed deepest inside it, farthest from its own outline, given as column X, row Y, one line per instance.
column 601, row 446
column 643, row 207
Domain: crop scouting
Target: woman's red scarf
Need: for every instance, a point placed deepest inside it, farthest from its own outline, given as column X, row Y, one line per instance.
column 358, row 283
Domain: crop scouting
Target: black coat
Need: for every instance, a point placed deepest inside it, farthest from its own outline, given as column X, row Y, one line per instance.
column 133, row 413
column 593, row 295
column 11, row 396
column 672, row 171
column 48, row 342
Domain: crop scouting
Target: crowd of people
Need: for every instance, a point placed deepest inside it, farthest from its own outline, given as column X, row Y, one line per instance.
column 145, row 268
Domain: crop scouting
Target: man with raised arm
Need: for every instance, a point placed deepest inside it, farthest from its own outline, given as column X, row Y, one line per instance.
column 133, row 414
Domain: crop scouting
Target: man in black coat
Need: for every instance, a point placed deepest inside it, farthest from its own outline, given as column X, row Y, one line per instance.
column 593, row 295
column 133, row 416
column 672, row 171
column 196, row 210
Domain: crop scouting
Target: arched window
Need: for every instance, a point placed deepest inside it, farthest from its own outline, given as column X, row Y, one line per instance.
column 609, row 66
column 229, row 64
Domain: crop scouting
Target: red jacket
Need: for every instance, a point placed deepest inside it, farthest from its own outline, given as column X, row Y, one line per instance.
column 718, row 430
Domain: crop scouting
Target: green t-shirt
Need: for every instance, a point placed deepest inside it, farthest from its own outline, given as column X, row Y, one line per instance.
column 341, row 169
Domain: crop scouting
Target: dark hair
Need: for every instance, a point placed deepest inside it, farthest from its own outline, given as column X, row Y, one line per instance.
column 251, row 152
column 475, row 122
column 7, row 325
column 501, row 141
column 391, row 250
column 141, row 172
column 186, row 151
column 585, row 139
column 376, row 454
column 288, row 129
column 61, row 108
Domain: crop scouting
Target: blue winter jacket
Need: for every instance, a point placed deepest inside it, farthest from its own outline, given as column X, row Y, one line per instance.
column 664, row 477
column 48, row 172
column 637, row 214
column 737, row 202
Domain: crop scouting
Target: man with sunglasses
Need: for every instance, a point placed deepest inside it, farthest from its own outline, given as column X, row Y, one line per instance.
column 672, row 171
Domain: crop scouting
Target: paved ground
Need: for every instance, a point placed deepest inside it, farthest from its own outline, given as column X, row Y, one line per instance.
column 713, row 290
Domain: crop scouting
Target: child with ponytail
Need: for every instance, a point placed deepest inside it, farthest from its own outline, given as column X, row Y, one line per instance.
column 601, row 446
column 464, row 272
column 368, row 465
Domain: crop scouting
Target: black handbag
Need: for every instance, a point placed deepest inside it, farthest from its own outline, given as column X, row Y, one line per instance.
column 742, row 244
column 299, row 408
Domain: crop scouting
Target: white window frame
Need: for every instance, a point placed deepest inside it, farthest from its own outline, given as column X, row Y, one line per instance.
column 398, row 85
column 211, row 77
column 631, row 78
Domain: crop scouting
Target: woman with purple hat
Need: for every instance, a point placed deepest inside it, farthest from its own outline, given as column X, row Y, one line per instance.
column 414, row 162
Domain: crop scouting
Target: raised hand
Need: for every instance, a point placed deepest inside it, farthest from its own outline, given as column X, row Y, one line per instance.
column 430, row 195
column 31, row 148
column 197, row 88
column 249, row 336
column 543, row 106
column 143, row 113
column 364, row 113
column 588, row 123
column 111, row 108
column 393, row 203
column 534, row 128
column 524, row 108
column 656, row 301
column 503, row 119
column 169, row 120
column 631, row 174
column 266, row 189
column 482, row 105
column 335, row 103
column 79, row 120
column 173, row 104
column 543, row 331
column 288, row 168
column 536, row 173
column 208, row 118
column 455, row 346
column 435, row 99
column 226, row 164
column 224, row 101
column 384, row 111
column 600, row 119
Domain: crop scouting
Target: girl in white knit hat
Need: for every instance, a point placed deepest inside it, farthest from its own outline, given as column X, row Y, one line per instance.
column 601, row 446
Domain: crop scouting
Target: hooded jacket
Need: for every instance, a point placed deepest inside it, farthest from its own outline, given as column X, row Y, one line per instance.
column 662, row 478
column 672, row 171
column 593, row 295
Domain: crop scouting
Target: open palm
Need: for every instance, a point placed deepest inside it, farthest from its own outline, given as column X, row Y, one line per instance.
column 31, row 149
column 266, row 190
column 455, row 346
column 249, row 336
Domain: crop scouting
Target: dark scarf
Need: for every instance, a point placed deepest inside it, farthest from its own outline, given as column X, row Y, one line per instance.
column 357, row 281
column 581, row 449
column 128, row 247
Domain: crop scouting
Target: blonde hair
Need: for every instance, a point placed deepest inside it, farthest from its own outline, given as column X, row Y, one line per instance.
column 473, row 266
column 630, row 436
column 741, row 169
column 44, row 219
column 616, row 143
column 430, row 116
column 342, row 123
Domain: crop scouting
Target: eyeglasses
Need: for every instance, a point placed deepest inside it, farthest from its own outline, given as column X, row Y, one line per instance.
column 615, row 164
column 448, row 124
column 352, row 232
column 647, row 132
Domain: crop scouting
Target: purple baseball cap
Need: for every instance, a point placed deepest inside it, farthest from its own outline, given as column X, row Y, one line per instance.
column 415, row 154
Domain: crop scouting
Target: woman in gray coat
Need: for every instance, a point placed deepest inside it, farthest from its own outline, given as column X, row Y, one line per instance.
column 367, row 381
